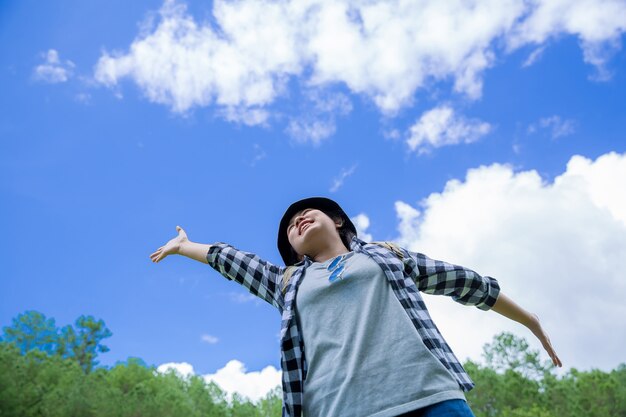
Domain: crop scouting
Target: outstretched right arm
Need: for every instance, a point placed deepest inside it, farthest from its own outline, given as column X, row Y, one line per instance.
column 260, row 277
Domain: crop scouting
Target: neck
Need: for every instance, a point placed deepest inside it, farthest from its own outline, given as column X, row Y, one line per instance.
column 330, row 252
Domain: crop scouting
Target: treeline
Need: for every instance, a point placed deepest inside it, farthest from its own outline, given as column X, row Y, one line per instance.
column 47, row 371
column 41, row 385
column 515, row 383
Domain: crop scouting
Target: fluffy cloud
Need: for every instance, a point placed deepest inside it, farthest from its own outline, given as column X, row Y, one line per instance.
column 556, row 248
column 182, row 369
column 182, row 64
column 255, row 385
column 442, row 126
column 311, row 130
column 382, row 50
column 233, row 378
column 53, row 70
column 597, row 24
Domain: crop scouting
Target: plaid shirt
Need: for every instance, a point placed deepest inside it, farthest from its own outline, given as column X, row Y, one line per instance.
column 408, row 275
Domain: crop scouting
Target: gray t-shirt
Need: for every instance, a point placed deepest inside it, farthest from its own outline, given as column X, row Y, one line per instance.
column 364, row 355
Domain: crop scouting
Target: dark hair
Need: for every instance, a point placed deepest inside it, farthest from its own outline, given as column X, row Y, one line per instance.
column 344, row 231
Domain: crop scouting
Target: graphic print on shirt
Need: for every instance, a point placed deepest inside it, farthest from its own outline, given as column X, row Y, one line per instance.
column 337, row 267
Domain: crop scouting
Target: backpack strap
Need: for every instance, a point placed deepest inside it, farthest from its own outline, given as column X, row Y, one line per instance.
column 389, row 245
column 286, row 277
column 392, row 247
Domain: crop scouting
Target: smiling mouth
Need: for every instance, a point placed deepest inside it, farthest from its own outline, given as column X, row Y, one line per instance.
column 304, row 226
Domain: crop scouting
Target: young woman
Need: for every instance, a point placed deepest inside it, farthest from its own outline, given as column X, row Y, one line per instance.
column 356, row 337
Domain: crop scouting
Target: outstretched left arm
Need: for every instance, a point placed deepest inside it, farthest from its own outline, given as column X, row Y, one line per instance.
column 508, row 308
column 467, row 287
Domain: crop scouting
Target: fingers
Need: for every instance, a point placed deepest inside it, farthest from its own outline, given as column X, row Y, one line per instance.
column 547, row 345
column 155, row 256
column 555, row 359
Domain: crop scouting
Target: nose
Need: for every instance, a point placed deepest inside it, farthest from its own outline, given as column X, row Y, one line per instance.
column 298, row 221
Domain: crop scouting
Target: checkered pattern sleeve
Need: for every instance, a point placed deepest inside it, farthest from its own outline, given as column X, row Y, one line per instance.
column 259, row 277
column 463, row 285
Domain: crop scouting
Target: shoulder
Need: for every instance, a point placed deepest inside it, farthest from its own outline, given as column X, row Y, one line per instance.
column 389, row 246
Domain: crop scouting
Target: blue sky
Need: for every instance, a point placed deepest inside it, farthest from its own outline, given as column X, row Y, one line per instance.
column 491, row 137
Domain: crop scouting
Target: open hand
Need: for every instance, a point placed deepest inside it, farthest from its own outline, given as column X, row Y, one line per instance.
column 172, row 247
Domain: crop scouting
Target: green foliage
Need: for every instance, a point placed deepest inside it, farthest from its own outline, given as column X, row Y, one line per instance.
column 47, row 371
column 272, row 404
column 508, row 352
column 31, row 330
column 50, row 373
column 514, row 383
column 83, row 344
column 39, row 384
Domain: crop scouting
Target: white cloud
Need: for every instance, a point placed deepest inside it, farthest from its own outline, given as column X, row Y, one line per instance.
column 53, row 70
column 598, row 24
column 338, row 181
column 255, row 385
column 246, row 116
column 534, row 56
column 182, row 369
column 556, row 249
column 207, row 338
column 183, row 64
column 362, row 223
column 259, row 154
column 598, row 54
column 331, row 103
column 392, row 134
column 382, row 50
column 318, row 119
column 310, row 130
column 557, row 127
column 233, row 378
column 440, row 126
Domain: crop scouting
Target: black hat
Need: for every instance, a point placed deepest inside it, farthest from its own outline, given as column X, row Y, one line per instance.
column 319, row 203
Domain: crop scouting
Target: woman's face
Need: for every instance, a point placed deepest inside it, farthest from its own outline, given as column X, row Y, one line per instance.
column 310, row 230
